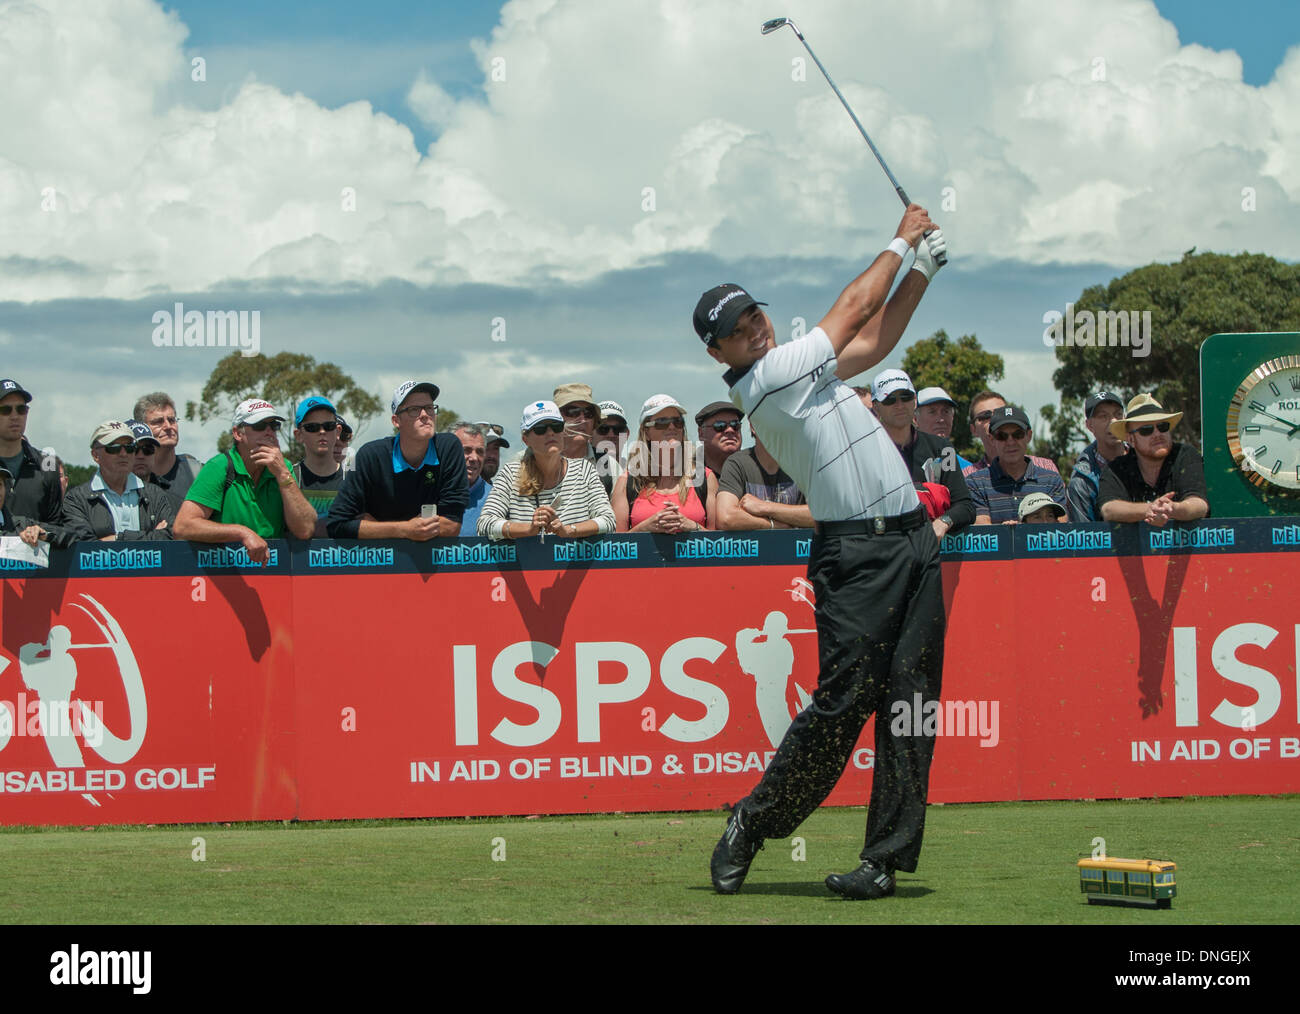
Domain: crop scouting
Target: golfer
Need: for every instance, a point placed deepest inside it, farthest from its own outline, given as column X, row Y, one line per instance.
column 874, row 564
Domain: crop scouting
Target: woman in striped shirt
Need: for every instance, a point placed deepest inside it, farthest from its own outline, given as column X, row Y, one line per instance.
column 660, row 491
column 545, row 491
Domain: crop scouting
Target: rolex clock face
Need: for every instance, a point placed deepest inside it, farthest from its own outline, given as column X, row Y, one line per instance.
column 1264, row 426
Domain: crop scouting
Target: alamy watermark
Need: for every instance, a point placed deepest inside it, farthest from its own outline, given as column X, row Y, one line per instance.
column 196, row 329
column 1130, row 329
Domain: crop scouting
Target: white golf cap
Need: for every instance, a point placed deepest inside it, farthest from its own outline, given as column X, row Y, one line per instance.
column 404, row 389
column 110, row 432
column 612, row 408
column 889, row 381
column 1037, row 501
column 657, row 403
column 254, row 410
column 929, row 395
column 540, row 411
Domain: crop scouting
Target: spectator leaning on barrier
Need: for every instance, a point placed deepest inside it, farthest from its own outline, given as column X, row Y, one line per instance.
column 545, row 491
column 996, row 491
column 982, row 407
column 660, row 491
column 611, row 439
column 319, row 475
column 1039, row 509
column 931, row 461
column 173, row 472
column 116, row 504
column 935, row 411
column 397, row 477
column 1161, row 481
column 25, row 528
column 494, row 434
column 247, row 495
column 35, row 491
column 754, row 493
column 474, row 442
column 1099, row 411
column 719, row 432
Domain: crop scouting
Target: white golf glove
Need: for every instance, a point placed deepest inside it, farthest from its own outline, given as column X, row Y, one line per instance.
column 928, row 252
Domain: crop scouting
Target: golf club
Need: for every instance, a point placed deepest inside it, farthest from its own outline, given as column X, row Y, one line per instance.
column 776, row 23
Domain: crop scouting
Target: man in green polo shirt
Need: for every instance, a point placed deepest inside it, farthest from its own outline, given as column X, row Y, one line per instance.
column 247, row 495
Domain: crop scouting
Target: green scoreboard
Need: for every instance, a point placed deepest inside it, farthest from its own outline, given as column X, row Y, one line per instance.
column 1250, row 423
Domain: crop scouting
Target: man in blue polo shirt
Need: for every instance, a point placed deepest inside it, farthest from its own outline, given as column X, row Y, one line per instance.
column 396, row 477
column 996, row 491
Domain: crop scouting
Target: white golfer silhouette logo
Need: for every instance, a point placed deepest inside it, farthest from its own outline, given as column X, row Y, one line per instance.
column 49, row 670
column 768, row 657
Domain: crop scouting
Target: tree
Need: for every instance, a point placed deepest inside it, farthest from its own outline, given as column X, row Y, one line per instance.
column 1200, row 295
column 1062, row 434
column 962, row 368
column 284, row 380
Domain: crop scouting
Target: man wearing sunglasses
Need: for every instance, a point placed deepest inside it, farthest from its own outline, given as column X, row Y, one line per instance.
column 247, row 495
column 408, row 486
column 982, row 407
column 34, row 492
column 116, row 505
column 1099, row 411
column 719, row 433
column 1162, row 480
column 996, row 491
column 931, row 460
column 494, row 442
column 611, row 438
column 873, row 564
column 319, row 475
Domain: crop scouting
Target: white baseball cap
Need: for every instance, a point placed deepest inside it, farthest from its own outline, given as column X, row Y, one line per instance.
column 929, row 395
column 889, row 381
column 611, row 408
column 539, row 411
column 254, row 410
column 406, row 387
column 108, row 432
column 657, row 403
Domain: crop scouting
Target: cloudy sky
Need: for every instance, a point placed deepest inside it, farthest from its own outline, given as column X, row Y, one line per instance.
column 502, row 198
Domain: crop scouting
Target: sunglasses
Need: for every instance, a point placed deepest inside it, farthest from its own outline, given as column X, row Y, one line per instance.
column 1146, row 431
column 493, row 427
column 733, row 424
column 146, row 449
column 904, row 396
column 316, row 427
column 677, row 422
column 8, row 409
column 579, row 412
column 272, row 424
column 609, row 429
column 116, row 449
column 345, row 436
column 543, row 428
column 1016, row 434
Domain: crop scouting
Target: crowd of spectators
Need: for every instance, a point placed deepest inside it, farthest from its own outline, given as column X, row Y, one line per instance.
column 578, row 470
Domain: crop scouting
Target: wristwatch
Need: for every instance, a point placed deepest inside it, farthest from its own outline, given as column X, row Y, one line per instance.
column 947, row 520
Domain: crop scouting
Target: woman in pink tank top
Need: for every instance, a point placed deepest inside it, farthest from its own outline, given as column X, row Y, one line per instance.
column 659, row 492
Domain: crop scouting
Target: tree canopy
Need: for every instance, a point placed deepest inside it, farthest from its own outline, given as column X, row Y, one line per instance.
column 1200, row 295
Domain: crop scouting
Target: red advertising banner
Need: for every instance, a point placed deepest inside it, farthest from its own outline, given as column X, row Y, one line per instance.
column 183, row 684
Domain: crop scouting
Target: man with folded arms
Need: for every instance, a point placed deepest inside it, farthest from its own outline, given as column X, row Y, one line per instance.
column 116, row 505
column 1161, row 481
column 408, row 486
column 996, row 491
column 754, row 493
column 247, row 495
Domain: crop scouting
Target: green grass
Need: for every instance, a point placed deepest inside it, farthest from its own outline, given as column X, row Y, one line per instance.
column 1000, row 862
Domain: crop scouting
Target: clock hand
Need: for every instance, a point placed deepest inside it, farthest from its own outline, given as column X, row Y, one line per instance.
column 1284, row 422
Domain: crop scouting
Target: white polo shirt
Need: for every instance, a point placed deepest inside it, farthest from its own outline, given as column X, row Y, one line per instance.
column 823, row 436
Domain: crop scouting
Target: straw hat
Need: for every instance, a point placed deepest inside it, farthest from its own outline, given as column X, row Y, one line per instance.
column 1143, row 409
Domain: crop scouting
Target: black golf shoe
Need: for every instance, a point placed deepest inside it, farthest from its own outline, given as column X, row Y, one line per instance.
column 866, row 883
column 734, row 852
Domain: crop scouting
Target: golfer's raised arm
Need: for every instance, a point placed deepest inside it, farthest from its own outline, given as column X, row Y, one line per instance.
column 866, row 294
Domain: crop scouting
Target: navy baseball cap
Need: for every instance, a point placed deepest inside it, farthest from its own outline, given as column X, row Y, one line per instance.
column 307, row 404
column 1008, row 414
column 141, row 431
column 13, row 387
column 1090, row 406
column 718, row 311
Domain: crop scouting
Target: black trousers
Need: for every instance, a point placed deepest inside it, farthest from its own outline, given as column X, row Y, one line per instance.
column 880, row 630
